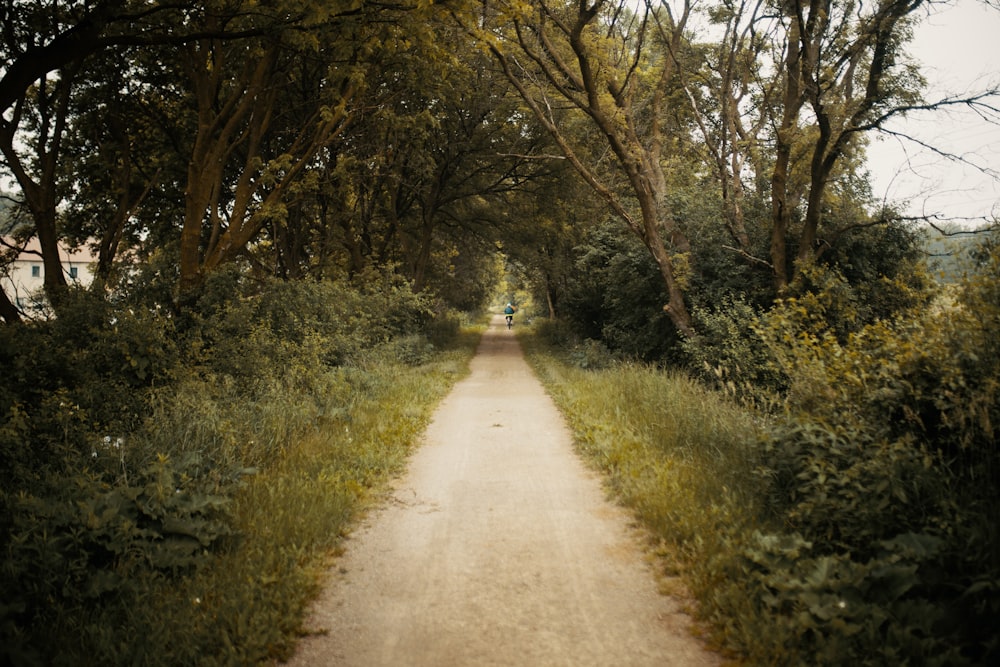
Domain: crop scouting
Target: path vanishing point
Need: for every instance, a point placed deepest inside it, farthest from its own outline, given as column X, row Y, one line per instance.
column 497, row 547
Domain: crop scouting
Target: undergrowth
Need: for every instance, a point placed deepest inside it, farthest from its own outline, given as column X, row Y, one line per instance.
column 247, row 606
column 855, row 524
column 173, row 486
column 681, row 456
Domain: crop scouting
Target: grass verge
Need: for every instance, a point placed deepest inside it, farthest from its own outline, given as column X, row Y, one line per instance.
column 247, row 605
column 682, row 457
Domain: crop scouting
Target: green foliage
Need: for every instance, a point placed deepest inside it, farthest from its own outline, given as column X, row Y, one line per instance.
column 586, row 353
column 858, row 527
column 443, row 330
column 889, row 433
column 554, row 334
column 74, row 548
column 335, row 320
column 730, row 355
column 247, row 606
column 883, row 264
column 171, row 484
column 617, row 297
column 838, row 484
column 90, row 371
column 838, row 610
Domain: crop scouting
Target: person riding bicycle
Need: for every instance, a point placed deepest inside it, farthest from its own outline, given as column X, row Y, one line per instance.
column 509, row 313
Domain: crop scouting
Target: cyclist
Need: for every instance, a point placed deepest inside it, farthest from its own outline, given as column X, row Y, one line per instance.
column 509, row 314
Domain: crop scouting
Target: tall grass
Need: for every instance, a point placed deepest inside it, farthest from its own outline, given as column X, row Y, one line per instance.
column 684, row 458
column 247, row 605
column 193, row 529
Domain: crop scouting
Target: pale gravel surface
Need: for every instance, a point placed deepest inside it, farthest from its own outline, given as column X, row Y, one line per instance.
column 498, row 547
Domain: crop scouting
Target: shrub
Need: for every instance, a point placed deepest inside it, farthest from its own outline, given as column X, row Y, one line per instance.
column 80, row 542
column 94, row 378
column 617, row 296
column 125, row 448
column 442, row 330
column 556, row 334
column 837, row 609
column 889, row 434
column 730, row 355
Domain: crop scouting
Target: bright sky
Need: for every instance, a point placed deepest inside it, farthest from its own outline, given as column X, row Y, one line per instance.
column 958, row 45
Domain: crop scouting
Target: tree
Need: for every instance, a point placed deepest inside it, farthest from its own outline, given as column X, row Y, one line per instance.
column 616, row 68
column 244, row 156
column 546, row 226
column 433, row 163
column 46, row 47
column 844, row 61
column 792, row 95
column 112, row 165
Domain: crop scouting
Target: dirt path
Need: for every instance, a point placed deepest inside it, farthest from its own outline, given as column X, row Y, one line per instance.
column 497, row 548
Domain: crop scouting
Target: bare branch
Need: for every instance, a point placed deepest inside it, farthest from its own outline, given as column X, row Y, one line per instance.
column 748, row 257
column 987, row 171
column 541, row 156
column 986, row 111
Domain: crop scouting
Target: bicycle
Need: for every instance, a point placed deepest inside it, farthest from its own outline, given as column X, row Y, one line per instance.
column 508, row 313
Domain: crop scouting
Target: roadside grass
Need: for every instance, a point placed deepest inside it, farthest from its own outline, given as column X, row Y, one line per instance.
column 683, row 458
column 251, row 603
column 246, row 606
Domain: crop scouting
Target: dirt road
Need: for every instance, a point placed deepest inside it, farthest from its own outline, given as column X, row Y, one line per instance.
column 498, row 547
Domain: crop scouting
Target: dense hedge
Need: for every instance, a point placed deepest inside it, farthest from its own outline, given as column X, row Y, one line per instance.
column 880, row 477
column 860, row 515
column 128, row 432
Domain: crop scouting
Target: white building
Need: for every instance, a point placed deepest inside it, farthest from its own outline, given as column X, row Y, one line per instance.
column 23, row 279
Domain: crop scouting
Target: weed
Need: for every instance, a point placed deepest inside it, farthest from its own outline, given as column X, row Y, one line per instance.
column 195, row 531
column 682, row 457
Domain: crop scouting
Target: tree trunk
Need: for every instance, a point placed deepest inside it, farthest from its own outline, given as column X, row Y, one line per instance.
column 426, row 245
column 675, row 308
column 782, row 201
column 8, row 311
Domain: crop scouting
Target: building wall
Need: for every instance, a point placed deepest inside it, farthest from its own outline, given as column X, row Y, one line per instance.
column 24, row 278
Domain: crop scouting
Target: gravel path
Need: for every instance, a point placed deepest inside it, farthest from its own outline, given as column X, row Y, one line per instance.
column 498, row 547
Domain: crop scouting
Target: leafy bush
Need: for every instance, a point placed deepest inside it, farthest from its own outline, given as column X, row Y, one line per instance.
column 890, row 436
column 554, row 333
column 617, row 296
column 883, row 264
column 72, row 548
column 730, row 355
column 94, row 377
column 442, row 330
column 128, row 447
column 591, row 354
column 841, row 486
column 334, row 319
column 837, row 609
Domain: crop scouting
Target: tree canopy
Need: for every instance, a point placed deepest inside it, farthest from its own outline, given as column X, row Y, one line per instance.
column 307, row 141
column 289, row 200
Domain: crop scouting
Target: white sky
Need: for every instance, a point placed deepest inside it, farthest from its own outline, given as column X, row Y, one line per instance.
column 959, row 45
